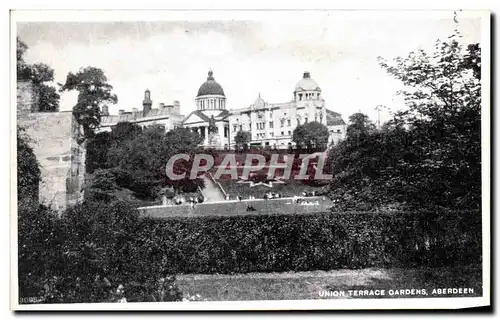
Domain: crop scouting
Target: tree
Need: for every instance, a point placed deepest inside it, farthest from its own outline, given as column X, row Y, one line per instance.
column 140, row 160
column 93, row 91
column 102, row 186
column 429, row 155
column 23, row 72
column 444, row 115
column 311, row 134
column 28, row 168
column 360, row 124
column 242, row 138
column 125, row 130
column 39, row 74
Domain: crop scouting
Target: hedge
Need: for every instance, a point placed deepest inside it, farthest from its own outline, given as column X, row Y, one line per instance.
column 320, row 241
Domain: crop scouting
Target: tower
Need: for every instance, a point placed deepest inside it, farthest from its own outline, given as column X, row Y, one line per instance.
column 147, row 102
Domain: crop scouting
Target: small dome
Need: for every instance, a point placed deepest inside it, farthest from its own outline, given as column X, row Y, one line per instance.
column 210, row 87
column 307, row 84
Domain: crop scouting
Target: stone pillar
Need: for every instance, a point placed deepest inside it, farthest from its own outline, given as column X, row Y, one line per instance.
column 205, row 140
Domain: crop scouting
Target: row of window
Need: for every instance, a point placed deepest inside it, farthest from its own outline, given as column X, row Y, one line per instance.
column 308, row 96
column 212, row 104
column 271, row 134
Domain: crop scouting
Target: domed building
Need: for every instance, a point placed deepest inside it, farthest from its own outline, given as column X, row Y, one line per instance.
column 269, row 124
column 272, row 124
column 210, row 118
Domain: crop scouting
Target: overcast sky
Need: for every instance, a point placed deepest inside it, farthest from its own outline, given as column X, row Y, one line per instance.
column 247, row 56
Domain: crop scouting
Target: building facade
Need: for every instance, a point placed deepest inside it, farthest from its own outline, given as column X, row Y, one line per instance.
column 269, row 124
column 167, row 116
column 272, row 124
column 210, row 119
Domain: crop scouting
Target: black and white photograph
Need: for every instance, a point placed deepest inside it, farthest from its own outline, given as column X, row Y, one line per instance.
column 250, row 160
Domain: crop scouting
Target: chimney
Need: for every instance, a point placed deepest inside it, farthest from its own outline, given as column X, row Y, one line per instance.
column 177, row 107
column 135, row 110
column 121, row 111
column 170, row 108
column 105, row 110
column 162, row 106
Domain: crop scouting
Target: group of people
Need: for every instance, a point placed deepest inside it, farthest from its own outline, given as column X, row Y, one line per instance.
column 191, row 200
column 240, row 198
column 309, row 194
column 305, row 202
column 272, row 195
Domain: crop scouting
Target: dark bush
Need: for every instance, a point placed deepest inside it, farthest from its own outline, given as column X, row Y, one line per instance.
column 323, row 241
column 92, row 253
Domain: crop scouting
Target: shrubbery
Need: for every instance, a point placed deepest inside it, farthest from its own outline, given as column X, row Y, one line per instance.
column 92, row 253
column 322, row 241
column 97, row 252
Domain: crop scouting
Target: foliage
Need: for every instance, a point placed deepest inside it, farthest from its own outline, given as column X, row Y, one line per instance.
column 311, row 134
column 39, row 74
column 102, row 186
column 28, row 168
column 360, row 125
column 320, row 241
column 97, row 150
column 93, row 91
column 427, row 156
column 137, row 158
column 93, row 253
column 242, row 138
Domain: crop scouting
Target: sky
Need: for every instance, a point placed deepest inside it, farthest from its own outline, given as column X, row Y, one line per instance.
column 264, row 54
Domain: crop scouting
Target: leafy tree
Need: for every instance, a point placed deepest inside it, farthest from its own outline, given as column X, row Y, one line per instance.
column 242, row 138
column 93, row 91
column 444, row 114
column 102, row 186
column 428, row 155
column 125, row 130
column 40, row 74
column 97, row 150
column 28, row 168
column 141, row 160
column 311, row 134
column 360, row 124
column 23, row 72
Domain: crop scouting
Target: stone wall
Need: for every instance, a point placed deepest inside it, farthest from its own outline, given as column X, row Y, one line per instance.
column 54, row 141
column 27, row 98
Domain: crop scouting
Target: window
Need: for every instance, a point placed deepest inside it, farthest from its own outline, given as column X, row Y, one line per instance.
column 289, row 122
column 271, row 134
column 289, row 132
column 271, row 124
column 226, row 132
column 234, row 128
column 282, row 133
column 241, row 127
column 305, row 120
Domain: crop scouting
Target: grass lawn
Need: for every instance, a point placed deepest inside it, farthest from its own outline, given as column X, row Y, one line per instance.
column 309, row 284
column 288, row 189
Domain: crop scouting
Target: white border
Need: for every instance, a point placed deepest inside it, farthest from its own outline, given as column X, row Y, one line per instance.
column 414, row 303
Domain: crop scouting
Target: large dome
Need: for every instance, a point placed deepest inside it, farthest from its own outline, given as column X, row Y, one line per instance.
column 210, row 87
column 307, row 84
